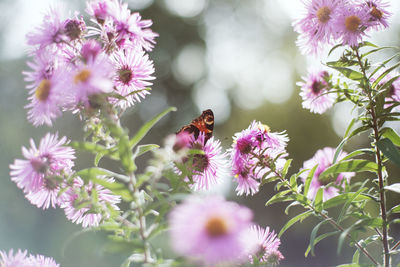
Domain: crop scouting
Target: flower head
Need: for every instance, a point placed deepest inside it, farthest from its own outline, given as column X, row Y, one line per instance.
column 133, row 75
column 316, row 28
column 96, row 210
column 351, row 24
column 51, row 31
column 130, row 29
column 51, row 159
column 208, row 168
column 91, row 79
column 267, row 245
column 255, row 152
column 378, row 14
column 20, row 259
column 98, row 9
column 210, row 230
column 315, row 92
column 324, row 158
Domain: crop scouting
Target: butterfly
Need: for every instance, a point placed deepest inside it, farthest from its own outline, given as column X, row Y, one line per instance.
column 204, row 123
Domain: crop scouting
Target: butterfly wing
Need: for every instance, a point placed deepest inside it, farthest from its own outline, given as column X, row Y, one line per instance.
column 204, row 123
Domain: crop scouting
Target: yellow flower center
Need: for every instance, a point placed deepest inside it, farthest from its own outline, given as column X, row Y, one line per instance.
column 324, row 14
column 216, row 227
column 43, row 90
column 376, row 13
column 82, row 76
column 352, row 23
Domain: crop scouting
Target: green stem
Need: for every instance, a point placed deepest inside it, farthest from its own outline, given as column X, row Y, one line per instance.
column 378, row 159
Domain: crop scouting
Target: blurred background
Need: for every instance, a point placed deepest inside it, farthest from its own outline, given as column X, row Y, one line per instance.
column 236, row 57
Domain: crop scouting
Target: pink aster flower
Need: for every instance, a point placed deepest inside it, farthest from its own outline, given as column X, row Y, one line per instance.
column 45, row 87
column 90, row 49
column 92, row 78
column 378, row 14
column 267, row 245
column 74, row 28
column 98, row 9
column 351, row 24
column 209, row 168
column 324, row 159
column 51, row 31
column 210, row 230
column 256, row 153
column 315, row 92
column 130, row 28
column 11, row 260
column 95, row 212
column 134, row 70
column 42, row 261
column 393, row 95
column 316, row 28
column 51, row 158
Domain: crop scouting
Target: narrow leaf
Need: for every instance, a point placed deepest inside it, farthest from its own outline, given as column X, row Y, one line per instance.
column 393, row 187
column 292, row 221
column 309, row 178
column 349, row 73
column 313, row 235
column 356, row 165
column 140, row 150
column 389, row 150
column 318, row 239
column 147, row 127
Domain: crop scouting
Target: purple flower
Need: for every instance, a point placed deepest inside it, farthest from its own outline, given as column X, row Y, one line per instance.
column 51, row 159
column 130, row 29
column 42, row 261
column 315, row 92
column 209, row 168
column 378, row 15
column 267, row 245
column 91, row 79
column 51, row 31
column 11, row 260
column 98, row 9
column 316, row 28
column 393, row 94
column 351, row 24
column 256, row 153
column 20, row 259
column 210, row 230
column 74, row 28
column 90, row 49
column 94, row 212
column 134, row 70
column 324, row 158
column 47, row 94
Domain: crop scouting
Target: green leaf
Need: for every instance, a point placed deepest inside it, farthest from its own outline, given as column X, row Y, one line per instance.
column 89, row 147
column 126, row 263
column 309, row 178
column 355, row 165
column 278, row 197
column 140, row 150
column 339, row 149
column 350, row 200
column 386, row 72
column 313, row 235
column 343, row 198
column 349, row 73
column 147, row 127
column 395, row 209
column 318, row 239
column 358, row 131
column 358, row 152
column 356, row 257
column 350, row 265
column 286, row 167
column 389, row 150
column 393, row 187
column 126, row 155
column 318, row 201
column 115, row 187
column 351, row 124
column 295, row 219
column 341, row 63
column 334, row 48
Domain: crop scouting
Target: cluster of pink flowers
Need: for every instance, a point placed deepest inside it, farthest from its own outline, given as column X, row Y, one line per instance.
column 256, row 154
column 21, row 259
column 324, row 159
column 214, row 231
column 44, row 174
column 208, row 168
column 326, row 21
column 74, row 63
